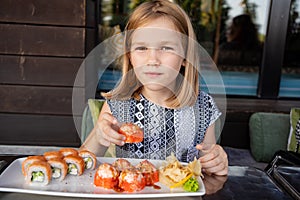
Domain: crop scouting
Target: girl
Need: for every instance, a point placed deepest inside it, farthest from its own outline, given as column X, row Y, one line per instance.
column 159, row 91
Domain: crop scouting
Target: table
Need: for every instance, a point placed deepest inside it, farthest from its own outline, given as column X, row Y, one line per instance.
column 242, row 183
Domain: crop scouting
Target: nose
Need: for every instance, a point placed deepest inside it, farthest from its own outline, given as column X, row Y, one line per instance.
column 153, row 57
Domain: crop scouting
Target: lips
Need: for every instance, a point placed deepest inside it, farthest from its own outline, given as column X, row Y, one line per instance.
column 153, row 74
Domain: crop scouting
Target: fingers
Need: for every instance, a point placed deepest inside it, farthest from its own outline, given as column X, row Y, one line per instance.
column 205, row 146
column 108, row 117
column 223, row 172
column 220, row 170
column 215, row 162
column 107, row 131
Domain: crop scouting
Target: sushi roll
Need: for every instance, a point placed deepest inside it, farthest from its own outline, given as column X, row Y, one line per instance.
column 68, row 151
column 38, row 173
column 149, row 171
column 89, row 159
column 29, row 160
column 122, row 164
column 133, row 133
column 106, row 176
column 53, row 154
column 59, row 168
column 75, row 165
column 131, row 180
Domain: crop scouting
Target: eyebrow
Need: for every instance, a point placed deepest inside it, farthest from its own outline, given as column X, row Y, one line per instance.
column 166, row 42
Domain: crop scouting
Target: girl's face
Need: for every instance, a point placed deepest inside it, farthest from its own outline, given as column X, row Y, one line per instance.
column 157, row 54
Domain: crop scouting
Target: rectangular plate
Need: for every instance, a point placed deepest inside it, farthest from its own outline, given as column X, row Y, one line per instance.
column 12, row 180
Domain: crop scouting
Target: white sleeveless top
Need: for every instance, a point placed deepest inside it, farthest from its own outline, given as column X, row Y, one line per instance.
column 165, row 130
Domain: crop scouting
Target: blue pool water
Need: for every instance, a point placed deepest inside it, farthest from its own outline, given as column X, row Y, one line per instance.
column 236, row 83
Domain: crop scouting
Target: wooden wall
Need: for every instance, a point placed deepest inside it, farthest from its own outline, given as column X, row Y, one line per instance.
column 42, row 46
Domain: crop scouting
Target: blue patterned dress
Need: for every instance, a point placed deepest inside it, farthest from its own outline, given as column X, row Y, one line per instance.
column 165, row 130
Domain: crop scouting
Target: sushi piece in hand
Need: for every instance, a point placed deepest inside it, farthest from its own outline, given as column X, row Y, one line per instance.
column 68, row 151
column 89, row 159
column 106, row 176
column 133, row 133
column 131, row 180
column 149, row 171
column 29, row 160
column 38, row 173
column 75, row 165
column 121, row 164
column 59, row 168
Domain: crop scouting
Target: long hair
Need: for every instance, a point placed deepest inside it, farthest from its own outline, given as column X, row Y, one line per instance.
column 243, row 30
column 187, row 88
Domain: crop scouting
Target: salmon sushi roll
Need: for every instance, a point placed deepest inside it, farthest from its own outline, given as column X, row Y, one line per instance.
column 68, row 151
column 59, row 168
column 132, row 132
column 131, row 180
column 149, row 171
column 38, row 173
column 89, row 158
column 53, row 154
column 122, row 164
column 29, row 160
column 106, row 176
column 75, row 165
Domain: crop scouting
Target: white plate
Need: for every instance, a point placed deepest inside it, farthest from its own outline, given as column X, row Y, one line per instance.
column 12, row 180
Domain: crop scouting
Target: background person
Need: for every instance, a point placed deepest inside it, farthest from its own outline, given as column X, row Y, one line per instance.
column 242, row 46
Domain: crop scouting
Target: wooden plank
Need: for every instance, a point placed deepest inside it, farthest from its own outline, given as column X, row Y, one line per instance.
column 54, row 12
column 260, row 105
column 42, row 40
column 38, row 130
column 41, row 100
column 52, row 71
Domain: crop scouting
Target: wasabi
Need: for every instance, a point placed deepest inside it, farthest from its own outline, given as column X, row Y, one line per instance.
column 191, row 185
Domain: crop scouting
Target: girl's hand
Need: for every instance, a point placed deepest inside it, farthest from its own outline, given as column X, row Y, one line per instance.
column 107, row 130
column 214, row 160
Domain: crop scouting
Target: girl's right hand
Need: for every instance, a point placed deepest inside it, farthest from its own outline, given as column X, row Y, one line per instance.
column 107, row 130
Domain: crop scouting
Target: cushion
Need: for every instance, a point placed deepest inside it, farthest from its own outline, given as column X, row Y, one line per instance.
column 95, row 106
column 89, row 119
column 294, row 136
column 268, row 134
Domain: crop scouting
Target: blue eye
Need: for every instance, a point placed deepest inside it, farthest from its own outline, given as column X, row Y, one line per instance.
column 167, row 48
column 141, row 48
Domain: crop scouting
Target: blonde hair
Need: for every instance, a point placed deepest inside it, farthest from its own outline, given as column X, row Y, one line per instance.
column 187, row 89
